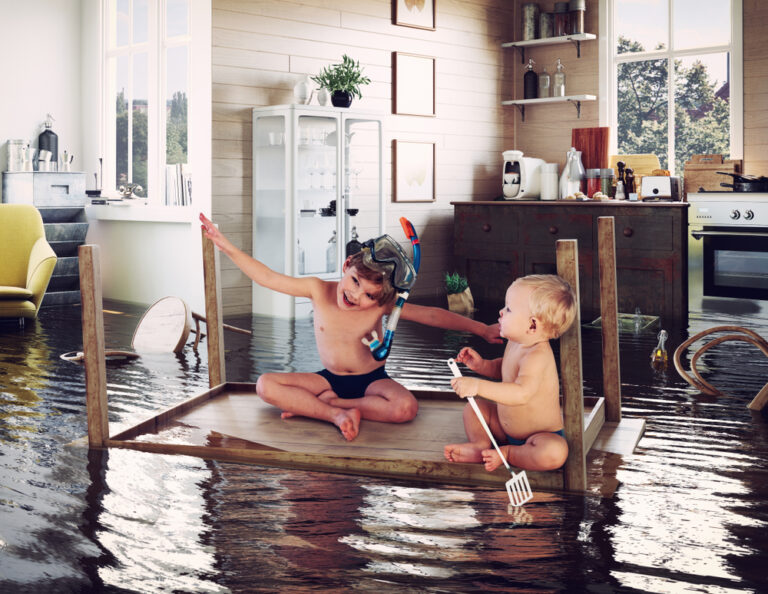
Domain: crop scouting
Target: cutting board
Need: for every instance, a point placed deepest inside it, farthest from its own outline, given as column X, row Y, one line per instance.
column 593, row 144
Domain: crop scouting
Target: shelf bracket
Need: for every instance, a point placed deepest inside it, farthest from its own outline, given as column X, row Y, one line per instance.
column 522, row 53
column 578, row 47
column 577, row 105
column 522, row 110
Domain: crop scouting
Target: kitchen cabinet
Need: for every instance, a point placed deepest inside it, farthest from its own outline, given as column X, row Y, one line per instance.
column 496, row 242
column 576, row 100
column 317, row 178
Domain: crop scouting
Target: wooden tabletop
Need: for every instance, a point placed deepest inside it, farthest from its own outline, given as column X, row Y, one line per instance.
column 579, row 203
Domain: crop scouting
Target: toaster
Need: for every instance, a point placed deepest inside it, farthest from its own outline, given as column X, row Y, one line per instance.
column 660, row 187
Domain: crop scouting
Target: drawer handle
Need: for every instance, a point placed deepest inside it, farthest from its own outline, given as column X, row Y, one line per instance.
column 553, row 230
column 486, row 227
column 628, row 232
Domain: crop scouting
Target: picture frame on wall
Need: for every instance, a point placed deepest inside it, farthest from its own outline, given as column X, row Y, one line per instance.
column 413, row 173
column 413, row 84
column 419, row 14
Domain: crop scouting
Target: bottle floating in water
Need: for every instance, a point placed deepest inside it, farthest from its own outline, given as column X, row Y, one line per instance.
column 659, row 357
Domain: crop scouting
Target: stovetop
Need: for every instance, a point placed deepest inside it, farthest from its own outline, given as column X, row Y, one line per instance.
column 742, row 209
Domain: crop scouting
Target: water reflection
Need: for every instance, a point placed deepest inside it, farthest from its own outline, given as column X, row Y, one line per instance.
column 690, row 513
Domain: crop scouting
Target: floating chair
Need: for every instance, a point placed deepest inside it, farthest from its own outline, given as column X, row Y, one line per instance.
column 163, row 328
column 698, row 382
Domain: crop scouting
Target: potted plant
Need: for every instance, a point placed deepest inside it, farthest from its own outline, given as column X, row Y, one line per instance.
column 342, row 81
column 459, row 296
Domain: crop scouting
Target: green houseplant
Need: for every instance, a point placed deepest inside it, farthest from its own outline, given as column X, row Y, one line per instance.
column 459, row 296
column 342, row 81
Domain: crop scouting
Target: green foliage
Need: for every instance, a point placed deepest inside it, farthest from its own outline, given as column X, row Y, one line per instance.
column 347, row 76
column 455, row 283
column 702, row 120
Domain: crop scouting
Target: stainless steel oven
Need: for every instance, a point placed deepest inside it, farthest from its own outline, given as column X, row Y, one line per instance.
column 728, row 251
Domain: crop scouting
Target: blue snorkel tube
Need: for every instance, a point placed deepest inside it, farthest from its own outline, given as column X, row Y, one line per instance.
column 380, row 348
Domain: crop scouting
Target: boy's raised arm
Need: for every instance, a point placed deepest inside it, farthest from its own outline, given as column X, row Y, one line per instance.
column 442, row 318
column 257, row 271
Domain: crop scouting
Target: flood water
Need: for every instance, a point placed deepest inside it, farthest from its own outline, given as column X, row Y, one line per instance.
column 690, row 513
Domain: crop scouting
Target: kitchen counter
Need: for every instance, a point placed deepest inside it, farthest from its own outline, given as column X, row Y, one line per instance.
column 498, row 241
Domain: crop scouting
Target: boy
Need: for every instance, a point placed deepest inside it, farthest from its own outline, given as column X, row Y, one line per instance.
column 353, row 385
column 523, row 410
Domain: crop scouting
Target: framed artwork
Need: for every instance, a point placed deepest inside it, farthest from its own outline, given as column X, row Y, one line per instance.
column 414, row 13
column 413, row 84
column 414, row 171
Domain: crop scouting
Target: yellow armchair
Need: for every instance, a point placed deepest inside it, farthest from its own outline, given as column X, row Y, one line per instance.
column 26, row 261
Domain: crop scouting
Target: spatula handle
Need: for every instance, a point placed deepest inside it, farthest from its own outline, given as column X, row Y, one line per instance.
column 473, row 404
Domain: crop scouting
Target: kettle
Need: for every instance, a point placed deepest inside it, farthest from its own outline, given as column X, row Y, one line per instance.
column 521, row 176
column 573, row 174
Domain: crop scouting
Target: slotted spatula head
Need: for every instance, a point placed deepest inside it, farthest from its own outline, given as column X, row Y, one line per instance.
column 518, row 489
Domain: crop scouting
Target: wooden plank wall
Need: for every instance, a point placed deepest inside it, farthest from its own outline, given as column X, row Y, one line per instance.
column 262, row 49
column 755, row 87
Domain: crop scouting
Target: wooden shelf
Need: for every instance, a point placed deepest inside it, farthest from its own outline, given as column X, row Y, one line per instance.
column 576, row 39
column 575, row 99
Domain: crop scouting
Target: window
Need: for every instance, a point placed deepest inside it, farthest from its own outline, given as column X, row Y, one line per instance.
column 672, row 77
column 147, row 72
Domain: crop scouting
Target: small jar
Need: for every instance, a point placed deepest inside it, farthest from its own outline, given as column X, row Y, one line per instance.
column 593, row 182
column 546, row 24
column 15, row 157
column 577, row 9
column 562, row 19
column 606, row 182
column 530, row 19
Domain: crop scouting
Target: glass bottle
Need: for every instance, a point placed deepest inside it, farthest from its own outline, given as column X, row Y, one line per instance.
column 659, row 357
column 530, row 81
column 49, row 141
column 544, row 80
column 330, row 254
column 354, row 245
column 558, row 80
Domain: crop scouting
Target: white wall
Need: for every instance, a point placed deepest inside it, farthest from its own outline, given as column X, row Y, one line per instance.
column 40, row 66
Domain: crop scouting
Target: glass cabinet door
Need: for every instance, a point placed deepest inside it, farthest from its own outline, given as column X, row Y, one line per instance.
column 269, row 168
column 362, row 171
column 316, row 180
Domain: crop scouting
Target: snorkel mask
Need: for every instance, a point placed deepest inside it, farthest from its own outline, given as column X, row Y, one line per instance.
column 386, row 255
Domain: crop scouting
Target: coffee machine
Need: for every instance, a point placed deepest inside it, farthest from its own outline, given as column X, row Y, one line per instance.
column 521, row 177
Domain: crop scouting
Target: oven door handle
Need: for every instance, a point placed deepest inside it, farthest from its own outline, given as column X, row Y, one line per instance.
column 700, row 234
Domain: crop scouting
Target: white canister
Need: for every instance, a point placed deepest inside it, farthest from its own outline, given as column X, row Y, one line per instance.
column 15, row 155
column 549, row 181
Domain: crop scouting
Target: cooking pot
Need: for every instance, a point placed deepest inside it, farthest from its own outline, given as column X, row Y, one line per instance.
column 746, row 183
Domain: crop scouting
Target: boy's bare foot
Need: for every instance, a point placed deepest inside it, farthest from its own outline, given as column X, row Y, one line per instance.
column 492, row 459
column 462, row 452
column 348, row 422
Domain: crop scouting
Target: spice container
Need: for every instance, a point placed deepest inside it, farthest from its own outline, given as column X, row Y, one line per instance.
column 606, row 182
column 561, row 19
column 593, row 181
column 577, row 9
column 546, row 24
column 530, row 20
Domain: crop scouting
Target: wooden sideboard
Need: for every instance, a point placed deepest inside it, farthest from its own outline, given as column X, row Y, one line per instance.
column 496, row 242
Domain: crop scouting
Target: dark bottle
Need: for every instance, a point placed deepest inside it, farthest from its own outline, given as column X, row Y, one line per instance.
column 530, row 82
column 353, row 246
column 49, row 141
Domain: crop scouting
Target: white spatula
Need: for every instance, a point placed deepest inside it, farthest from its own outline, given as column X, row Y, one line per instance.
column 518, row 488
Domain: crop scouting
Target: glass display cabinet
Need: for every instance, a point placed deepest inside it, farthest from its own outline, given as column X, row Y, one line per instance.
column 317, row 182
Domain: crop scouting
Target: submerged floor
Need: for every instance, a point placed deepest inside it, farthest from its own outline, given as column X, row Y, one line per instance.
column 690, row 513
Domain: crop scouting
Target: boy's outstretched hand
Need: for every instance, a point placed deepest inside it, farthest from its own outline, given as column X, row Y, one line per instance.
column 212, row 233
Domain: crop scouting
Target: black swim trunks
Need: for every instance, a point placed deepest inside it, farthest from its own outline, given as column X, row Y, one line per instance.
column 352, row 386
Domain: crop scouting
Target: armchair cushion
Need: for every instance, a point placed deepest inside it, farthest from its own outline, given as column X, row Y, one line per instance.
column 26, row 260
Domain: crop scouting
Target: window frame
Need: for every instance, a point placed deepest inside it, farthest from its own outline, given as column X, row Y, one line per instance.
column 156, row 46
column 608, row 61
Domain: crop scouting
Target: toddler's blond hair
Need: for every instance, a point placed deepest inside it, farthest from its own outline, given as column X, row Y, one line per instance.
column 552, row 302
